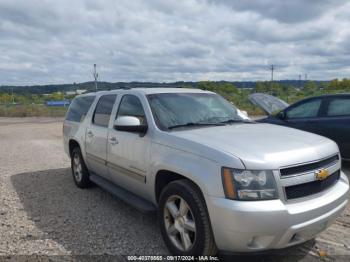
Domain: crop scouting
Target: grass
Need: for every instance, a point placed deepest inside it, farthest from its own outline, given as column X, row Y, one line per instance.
column 31, row 110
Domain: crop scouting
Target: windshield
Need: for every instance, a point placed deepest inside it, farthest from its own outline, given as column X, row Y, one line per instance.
column 172, row 110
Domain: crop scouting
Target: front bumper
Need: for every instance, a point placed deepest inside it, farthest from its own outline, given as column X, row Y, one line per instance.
column 246, row 226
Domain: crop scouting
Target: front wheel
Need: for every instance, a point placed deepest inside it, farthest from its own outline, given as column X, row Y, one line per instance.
column 184, row 220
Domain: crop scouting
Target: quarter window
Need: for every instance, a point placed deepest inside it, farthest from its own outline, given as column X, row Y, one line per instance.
column 131, row 106
column 103, row 110
column 305, row 110
column 79, row 108
column 339, row 107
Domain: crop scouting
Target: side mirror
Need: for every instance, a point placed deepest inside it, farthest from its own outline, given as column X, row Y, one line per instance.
column 244, row 113
column 282, row 115
column 129, row 124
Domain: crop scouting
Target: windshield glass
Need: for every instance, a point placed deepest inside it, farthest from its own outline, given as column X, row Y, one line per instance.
column 191, row 109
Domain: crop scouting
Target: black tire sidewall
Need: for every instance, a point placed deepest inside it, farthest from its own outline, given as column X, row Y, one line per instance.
column 84, row 182
column 179, row 190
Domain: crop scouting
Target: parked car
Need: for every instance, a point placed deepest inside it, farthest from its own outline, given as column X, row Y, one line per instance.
column 217, row 181
column 327, row 115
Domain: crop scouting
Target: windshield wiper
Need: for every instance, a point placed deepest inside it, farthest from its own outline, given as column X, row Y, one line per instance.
column 229, row 121
column 190, row 124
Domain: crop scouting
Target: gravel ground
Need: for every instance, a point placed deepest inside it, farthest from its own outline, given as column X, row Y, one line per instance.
column 43, row 213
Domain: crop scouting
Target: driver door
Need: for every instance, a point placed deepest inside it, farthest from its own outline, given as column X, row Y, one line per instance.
column 129, row 152
column 304, row 116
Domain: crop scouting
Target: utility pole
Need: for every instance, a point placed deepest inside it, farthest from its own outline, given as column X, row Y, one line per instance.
column 13, row 98
column 95, row 77
column 272, row 67
column 300, row 81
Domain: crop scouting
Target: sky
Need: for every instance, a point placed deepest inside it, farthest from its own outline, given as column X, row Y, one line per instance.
column 54, row 42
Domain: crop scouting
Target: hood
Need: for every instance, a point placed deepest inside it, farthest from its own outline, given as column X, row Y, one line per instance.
column 269, row 104
column 261, row 146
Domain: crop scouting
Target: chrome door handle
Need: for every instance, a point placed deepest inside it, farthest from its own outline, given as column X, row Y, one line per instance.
column 90, row 134
column 113, row 140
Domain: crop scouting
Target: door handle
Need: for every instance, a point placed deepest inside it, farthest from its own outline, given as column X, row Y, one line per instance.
column 90, row 134
column 113, row 140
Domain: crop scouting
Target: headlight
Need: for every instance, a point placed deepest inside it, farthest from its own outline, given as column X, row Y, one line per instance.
column 249, row 184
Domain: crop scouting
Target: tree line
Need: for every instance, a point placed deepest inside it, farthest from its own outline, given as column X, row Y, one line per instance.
column 238, row 96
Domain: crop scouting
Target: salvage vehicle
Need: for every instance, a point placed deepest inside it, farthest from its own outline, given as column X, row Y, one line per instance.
column 327, row 115
column 218, row 182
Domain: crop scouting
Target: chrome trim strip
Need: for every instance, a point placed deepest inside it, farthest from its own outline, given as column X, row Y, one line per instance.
column 135, row 175
column 132, row 174
column 96, row 159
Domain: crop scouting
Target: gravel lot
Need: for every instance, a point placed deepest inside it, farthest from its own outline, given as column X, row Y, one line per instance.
column 42, row 212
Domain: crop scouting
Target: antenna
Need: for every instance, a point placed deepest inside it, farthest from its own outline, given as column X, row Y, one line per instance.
column 95, row 76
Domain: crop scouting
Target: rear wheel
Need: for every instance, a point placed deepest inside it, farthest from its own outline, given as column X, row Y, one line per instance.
column 79, row 170
column 184, row 220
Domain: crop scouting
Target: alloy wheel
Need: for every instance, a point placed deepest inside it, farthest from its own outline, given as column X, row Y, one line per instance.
column 77, row 168
column 180, row 223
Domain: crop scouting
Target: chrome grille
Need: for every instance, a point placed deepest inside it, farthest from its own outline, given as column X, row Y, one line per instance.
column 311, row 188
column 300, row 180
column 289, row 171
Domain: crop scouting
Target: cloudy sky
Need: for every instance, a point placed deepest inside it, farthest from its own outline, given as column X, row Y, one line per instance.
column 51, row 41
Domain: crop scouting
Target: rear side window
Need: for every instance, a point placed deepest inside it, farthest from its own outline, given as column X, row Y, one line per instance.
column 103, row 110
column 305, row 110
column 79, row 108
column 339, row 107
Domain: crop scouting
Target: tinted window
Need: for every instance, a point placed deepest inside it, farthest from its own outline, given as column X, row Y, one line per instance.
column 307, row 109
column 131, row 106
column 339, row 107
column 103, row 110
column 79, row 108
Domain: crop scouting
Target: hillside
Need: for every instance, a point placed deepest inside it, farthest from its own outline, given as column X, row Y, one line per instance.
column 47, row 89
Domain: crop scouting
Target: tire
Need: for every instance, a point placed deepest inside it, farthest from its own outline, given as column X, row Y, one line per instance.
column 180, row 235
column 79, row 170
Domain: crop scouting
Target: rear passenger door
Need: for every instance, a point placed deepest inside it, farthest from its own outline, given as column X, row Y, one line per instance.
column 335, row 122
column 96, row 135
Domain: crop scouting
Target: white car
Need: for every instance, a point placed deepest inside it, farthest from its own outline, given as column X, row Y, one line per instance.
column 218, row 182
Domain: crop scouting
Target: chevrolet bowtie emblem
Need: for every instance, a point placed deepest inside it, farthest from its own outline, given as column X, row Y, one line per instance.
column 321, row 174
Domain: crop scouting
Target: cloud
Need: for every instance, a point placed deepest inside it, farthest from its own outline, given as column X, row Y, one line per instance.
column 46, row 41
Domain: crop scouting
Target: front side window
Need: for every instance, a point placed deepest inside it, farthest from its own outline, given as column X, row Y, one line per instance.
column 305, row 110
column 131, row 106
column 103, row 110
column 192, row 109
column 339, row 107
column 79, row 108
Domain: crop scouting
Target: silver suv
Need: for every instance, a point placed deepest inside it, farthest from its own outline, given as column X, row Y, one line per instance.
column 219, row 182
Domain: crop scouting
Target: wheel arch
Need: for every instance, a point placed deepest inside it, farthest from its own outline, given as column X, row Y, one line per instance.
column 72, row 144
column 164, row 177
